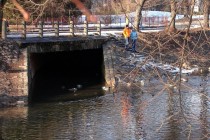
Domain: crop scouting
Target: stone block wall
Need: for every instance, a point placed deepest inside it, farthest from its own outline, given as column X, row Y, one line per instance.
column 14, row 82
column 109, row 71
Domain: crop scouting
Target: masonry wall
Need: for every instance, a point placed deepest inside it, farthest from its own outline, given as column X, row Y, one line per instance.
column 16, row 81
column 109, row 71
column 14, row 91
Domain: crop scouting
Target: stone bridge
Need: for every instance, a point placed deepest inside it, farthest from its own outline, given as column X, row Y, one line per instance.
column 92, row 53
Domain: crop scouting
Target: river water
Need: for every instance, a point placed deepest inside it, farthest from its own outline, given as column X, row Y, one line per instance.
column 149, row 113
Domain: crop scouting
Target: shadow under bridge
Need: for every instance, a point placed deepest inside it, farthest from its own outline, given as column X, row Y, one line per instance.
column 60, row 67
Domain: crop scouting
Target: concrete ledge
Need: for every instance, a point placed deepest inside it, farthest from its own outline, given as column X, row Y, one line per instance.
column 109, row 65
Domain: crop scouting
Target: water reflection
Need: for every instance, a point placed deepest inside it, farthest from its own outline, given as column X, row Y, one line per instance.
column 117, row 116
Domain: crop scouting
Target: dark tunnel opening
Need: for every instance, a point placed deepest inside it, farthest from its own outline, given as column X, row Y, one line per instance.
column 66, row 75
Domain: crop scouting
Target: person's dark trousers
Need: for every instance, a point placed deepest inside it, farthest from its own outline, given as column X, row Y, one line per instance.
column 133, row 45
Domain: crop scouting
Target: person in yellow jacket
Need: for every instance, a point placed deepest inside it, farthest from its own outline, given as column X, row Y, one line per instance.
column 126, row 34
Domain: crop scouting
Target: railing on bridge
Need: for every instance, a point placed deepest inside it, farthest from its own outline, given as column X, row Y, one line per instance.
column 57, row 29
column 60, row 27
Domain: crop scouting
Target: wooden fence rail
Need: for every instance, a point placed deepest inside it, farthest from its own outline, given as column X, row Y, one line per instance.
column 55, row 29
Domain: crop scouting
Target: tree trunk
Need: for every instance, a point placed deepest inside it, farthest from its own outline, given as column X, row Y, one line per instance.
column 190, row 18
column 171, row 26
column 206, row 13
column 138, row 14
column 2, row 2
column 1, row 18
column 186, row 8
column 127, row 17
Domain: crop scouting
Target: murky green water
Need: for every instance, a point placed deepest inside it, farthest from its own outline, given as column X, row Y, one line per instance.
column 153, row 114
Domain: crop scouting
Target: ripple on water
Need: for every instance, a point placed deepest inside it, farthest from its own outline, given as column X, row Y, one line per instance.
column 124, row 115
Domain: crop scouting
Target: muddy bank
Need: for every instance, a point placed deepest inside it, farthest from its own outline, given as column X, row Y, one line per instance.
column 175, row 48
column 162, row 57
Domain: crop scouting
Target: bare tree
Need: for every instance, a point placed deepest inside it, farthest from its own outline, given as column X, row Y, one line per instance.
column 38, row 7
column 2, row 3
column 138, row 14
column 171, row 26
column 206, row 13
column 18, row 6
column 190, row 18
column 186, row 8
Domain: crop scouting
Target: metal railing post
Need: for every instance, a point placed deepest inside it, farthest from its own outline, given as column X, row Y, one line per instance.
column 71, row 28
column 57, row 29
column 4, row 29
column 86, row 28
column 40, row 29
column 99, row 28
column 24, row 30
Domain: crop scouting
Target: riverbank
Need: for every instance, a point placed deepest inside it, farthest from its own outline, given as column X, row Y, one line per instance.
column 175, row 48
column 165, row 50
column 170, row 58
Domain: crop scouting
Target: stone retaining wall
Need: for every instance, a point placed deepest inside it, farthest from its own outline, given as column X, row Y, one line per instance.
column 15, row 81
column 109, row 57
